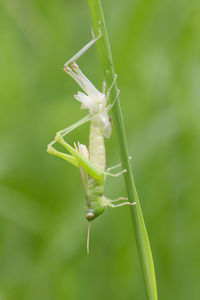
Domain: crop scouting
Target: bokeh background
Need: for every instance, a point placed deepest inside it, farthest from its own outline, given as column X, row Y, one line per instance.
column 156, row 52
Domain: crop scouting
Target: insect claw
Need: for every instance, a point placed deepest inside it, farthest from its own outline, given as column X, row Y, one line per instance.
column 100, row 33
column 92, row 32
column 66, row 68
column 75, row 66
column 99, row 29
column 76, row 146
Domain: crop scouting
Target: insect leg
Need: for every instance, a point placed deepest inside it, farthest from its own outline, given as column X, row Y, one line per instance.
column 104, row 88
column 110, row 106
column 82, row 160
column 113, row 167
column 116, row 174
column 121, row 204
column 81, row 79
column 118, row 199
column 108, row 202
column 69, row 158
column 110, row 88
column 116, row 166
column 84, row 49
column 67, row 130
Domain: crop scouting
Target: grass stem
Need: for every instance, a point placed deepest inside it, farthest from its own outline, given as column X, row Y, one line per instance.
column 143, row 245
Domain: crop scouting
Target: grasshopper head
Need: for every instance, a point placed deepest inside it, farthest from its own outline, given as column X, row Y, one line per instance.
column 92, row 213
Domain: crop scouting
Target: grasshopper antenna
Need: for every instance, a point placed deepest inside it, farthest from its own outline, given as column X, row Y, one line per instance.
column 88, row 238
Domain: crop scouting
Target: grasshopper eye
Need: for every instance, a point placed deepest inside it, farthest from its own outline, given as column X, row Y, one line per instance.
column 89, row 216
column 92, row 213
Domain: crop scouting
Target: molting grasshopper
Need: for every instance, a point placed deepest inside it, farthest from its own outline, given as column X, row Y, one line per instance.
column 92, row 161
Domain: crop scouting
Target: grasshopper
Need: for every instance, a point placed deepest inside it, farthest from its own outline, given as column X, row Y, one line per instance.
column 92, row 161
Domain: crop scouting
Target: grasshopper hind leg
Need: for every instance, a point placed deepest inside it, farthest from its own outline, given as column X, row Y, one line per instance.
column 59, row 136
column 69, row 158
column 85, row 48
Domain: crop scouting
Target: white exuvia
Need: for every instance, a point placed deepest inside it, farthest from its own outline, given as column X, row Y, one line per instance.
column 92, row 161
column 92, row 99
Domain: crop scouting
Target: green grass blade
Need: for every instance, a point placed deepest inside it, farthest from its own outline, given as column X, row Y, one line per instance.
column 105, row 56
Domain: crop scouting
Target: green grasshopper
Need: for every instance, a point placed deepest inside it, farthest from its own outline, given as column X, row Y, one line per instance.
column 91, row 162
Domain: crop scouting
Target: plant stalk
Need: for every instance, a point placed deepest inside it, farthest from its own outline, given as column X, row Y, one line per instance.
column 143, row 245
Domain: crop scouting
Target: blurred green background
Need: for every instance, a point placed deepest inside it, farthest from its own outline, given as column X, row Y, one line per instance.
column 156, row 52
